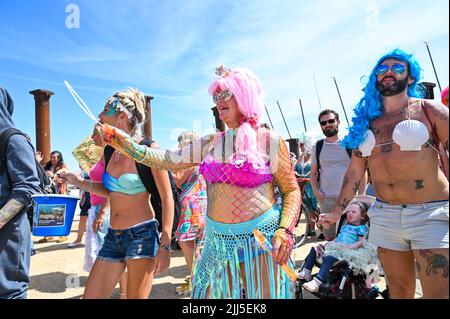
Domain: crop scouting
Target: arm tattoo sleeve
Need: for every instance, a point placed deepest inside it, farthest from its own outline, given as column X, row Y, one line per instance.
column 284, row 177
column 186, row 157
column 11, row 209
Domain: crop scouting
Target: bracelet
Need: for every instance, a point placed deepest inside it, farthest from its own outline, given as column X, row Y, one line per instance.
column 166, row 247
column 287, row 231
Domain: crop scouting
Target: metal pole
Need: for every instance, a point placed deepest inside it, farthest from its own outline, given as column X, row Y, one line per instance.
column 265, row 106
column 284, row 120
column 342, row 103
column 303, row 115
column 317, row 92
column 432, row 63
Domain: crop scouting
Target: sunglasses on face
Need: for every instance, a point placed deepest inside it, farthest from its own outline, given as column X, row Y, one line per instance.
column 331, row 121
column 397, row 68
column 222, row 96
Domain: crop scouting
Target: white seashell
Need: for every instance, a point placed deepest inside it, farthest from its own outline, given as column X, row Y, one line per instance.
column 367, row 146
column 410, row 135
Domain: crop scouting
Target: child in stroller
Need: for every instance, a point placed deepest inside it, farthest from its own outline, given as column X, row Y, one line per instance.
column 347, row 257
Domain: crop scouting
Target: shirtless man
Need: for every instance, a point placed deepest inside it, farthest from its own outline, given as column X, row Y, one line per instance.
column 409, row 220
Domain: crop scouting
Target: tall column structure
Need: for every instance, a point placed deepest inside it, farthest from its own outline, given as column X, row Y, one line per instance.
column 148, row 117
column 42, row 116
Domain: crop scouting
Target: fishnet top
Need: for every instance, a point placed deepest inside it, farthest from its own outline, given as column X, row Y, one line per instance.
column 231, row 198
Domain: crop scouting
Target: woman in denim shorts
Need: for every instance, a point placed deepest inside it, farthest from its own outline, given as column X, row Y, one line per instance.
column 133, row 240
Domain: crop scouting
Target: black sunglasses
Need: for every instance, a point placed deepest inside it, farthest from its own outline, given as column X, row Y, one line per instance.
column 331, row 121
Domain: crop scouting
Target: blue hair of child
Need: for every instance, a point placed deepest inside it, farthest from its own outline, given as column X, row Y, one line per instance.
column 370, row 106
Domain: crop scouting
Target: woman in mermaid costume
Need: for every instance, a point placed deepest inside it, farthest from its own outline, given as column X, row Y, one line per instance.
column 241, row 167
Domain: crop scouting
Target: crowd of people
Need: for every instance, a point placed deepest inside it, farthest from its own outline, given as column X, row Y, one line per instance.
column 233, row 182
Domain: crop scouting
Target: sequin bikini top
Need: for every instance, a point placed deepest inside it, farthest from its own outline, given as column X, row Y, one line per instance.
column 241, row 174
column 409, row 134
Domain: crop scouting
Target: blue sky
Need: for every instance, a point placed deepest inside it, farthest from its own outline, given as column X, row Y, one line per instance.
column 169, row 49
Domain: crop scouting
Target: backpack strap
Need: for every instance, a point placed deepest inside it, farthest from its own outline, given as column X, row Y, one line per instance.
column 145, row 173
column 107, row 153
column 4, row 138
column 319, row 146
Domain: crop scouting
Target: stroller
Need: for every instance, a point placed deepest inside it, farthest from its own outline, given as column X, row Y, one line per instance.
column 344, row 282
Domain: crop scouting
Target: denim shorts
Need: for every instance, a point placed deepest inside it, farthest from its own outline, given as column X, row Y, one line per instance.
column 139, row 241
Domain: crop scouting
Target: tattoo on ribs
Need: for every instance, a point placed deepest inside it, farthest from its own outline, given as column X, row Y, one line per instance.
column 435, row 262
column 419, row 183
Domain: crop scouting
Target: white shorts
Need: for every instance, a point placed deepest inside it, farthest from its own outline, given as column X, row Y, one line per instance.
column 409, row 227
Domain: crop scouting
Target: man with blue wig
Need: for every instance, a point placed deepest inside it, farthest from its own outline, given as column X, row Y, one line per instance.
column 396, row 135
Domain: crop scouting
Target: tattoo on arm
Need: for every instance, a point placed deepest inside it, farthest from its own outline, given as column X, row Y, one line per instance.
column 435, row 262
column 419, row 183
column 439, row 113
column 11, row 209
column 345, row 181
column 356, row 187
column 344, row 203
column 358, row 153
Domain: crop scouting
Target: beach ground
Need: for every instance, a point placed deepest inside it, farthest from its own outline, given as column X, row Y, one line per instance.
column 57, row 271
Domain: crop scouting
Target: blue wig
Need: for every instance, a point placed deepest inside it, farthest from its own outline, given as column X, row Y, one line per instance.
column 370, row 106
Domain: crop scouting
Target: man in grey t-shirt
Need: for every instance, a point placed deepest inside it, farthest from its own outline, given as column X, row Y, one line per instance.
column 334, row 160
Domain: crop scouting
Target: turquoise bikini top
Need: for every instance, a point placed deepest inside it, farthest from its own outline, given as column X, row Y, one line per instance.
column 129, row 184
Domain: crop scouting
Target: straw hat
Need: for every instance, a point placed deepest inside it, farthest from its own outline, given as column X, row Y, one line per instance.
column 87, row 154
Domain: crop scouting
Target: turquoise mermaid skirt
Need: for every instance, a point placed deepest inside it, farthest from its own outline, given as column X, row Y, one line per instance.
column 228, row 251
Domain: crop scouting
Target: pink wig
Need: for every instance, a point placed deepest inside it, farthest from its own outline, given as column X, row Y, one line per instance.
column 444, row 96
column 248, row 92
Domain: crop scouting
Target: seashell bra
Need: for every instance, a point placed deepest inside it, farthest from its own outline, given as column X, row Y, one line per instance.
column 409, row 134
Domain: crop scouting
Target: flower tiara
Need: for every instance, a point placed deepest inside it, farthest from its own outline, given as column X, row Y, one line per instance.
column 222, row 71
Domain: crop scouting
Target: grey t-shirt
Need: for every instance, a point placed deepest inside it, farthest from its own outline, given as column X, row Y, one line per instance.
column 334, row 161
